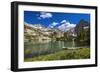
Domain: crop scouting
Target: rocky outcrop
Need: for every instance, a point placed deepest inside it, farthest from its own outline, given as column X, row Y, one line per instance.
column 82, row 25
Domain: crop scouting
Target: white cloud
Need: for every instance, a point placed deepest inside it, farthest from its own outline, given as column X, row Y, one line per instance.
column 63, row 21
column 65, row 26
column 53, row 24
column 45, row 15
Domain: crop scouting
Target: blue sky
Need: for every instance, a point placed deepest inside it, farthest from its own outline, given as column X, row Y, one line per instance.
column 54, row 18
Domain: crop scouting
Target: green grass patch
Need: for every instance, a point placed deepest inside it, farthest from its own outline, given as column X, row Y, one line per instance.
column 82, row 53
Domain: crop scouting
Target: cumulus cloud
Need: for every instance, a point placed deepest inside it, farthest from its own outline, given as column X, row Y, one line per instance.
column 65, row 25
column 53, row 24
column 45, row 15
column 63, row 21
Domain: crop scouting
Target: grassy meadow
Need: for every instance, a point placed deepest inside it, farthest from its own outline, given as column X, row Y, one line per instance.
column 68, row 54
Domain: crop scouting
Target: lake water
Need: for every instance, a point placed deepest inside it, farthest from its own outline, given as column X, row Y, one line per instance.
column 36, row 48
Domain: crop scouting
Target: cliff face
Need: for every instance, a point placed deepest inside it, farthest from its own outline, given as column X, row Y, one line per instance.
column 82, row 31
column 82, row 25
column 38, row 32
